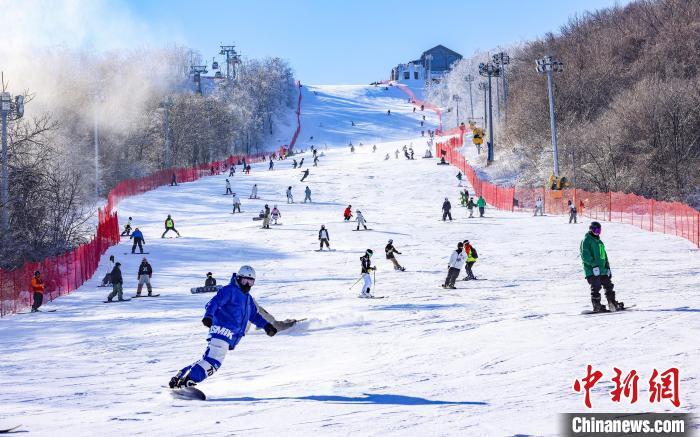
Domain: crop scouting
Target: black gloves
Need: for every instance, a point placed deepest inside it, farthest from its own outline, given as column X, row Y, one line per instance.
column 270, row 330
column 206, row 322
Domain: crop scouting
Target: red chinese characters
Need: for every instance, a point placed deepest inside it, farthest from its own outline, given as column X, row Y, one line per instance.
column 588, row 383
column 668, row 388
column 626, row 387
column 662, row 386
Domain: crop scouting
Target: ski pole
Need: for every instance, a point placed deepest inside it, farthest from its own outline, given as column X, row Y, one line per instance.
column 358, row 280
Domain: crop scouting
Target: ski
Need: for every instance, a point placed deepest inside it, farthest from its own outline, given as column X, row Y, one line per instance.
column 113, row 301
column 9, row 430
column 188, row 393
column 145, row 295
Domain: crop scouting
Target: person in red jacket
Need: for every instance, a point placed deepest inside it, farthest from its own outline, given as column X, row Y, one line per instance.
column 38, row 289
column 348, row 213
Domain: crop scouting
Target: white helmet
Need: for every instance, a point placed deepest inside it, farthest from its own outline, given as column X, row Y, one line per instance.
column 246, row 272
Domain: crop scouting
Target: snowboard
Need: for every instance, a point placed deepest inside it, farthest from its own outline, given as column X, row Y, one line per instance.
column 134, row 253
column 211, row 289
column 327, row 250
column 113, row 301
column 608, row 312
column 9, row 430
column 258, row 218
column 371, row 297
column 145, row 295
column 105, row 286
column 368, row 229
column 188, row 393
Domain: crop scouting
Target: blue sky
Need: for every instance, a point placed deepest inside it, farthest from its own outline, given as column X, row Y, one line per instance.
column 353, row 41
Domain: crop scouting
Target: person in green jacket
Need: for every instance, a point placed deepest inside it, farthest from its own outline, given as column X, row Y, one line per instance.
column 470, row 207
column 169, row 226
column 481, row 203
column 596, row 268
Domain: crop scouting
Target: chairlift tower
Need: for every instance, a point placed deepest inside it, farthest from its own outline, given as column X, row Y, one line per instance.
column 490, row 69
column 232, row 58
column 196, row 71
column 549, row 65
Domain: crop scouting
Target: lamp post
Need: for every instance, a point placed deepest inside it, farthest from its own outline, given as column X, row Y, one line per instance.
column 10, row 110
column 429, row 58
column 456, row 99
column 469, row 78
column 548, row 65
column 483, row 86
column 489, row 69
column 502, row 59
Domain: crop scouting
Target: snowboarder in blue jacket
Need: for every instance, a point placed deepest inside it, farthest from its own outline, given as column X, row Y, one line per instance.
column 227, row 316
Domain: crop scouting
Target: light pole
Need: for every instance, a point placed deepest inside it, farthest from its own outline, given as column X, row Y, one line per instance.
column 469, row 78
column 456, row 99
column 166, row 104
column 489, row 69
column 548, row 65
column 483, row 86
column 502, row 59
column 10, row 110
column 429, row 58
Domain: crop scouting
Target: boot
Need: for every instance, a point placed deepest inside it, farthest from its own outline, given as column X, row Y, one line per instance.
column 597, row 306
column 614, row 305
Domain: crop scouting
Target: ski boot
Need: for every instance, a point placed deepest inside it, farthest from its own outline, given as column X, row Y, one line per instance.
column 179, row 381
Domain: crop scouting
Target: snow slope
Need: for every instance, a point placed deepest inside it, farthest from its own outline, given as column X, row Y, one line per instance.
column 494, row 357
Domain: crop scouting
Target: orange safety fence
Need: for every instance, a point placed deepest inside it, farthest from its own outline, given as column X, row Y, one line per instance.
column 66, row 273
column 672, row 218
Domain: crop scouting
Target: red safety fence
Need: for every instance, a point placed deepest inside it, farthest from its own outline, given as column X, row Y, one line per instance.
column 65, row 273
column 673, row 218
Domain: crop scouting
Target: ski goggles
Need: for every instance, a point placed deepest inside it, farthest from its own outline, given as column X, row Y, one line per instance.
column 596, row 230
column 246, row 281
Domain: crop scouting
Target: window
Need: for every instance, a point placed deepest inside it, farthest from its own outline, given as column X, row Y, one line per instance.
column 406, row 75
column 415, row 75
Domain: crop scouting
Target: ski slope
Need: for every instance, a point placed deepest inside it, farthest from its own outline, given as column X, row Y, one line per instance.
column 494, row 357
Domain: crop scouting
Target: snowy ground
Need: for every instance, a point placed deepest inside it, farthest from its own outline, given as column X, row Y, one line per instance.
column 494, row 357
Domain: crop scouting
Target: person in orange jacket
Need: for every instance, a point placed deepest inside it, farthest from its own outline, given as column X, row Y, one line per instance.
column 38, row 288
column 347, row 213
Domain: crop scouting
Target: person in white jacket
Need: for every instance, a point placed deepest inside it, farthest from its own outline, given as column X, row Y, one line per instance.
column 236, row 203
column 538, row 206
column 254, row 192
column 228, row 187
column 290, row 198
column 454, row 266
column 276, row 214
column 360, row 219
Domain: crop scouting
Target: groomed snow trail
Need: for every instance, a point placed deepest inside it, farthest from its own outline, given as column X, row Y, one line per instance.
column 494, row 357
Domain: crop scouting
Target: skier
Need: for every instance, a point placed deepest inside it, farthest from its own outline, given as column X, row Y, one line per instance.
column 470, row 207
column 315, row 161
column 290, row 199
column 374, row 148
column 472, row 256
column 254, row 192
column 236, row 203
column 173, row 180
column 572, row 212
column 410, row 150
column 144, row 277
column 306, row 173
column 596, row 267
column 276, row 214
column 360, row 220
column 38, row 291
column 538, row 206
column 459, row 178
column 422, row 107
column 390, row 250
column 170, row 226
column 301, row 162
column 294, row 163
column 323, row 237
column 232, row 170
column 266, row 218
column 108, row 276
column 386, row 158
column 272, row 165
column 352, row 148
column 446, row 210
column 137, row 236
column 347, row 214
column 127, row 228
column 366, row 268
column 227, row 316
column 481, row 203
column 454, row 266
column 228, row 187
column 396, row 154
column 117, row 283
column 388, row 112
column 247, row 169
column 210, row 281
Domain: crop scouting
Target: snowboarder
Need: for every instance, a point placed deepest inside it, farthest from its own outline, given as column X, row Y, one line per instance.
column 481, row 203
column 108, row 276
column 144, row 277
column 169, row 226
column 454, row 266
column 390, row 250
column 388, row 112
column 173, row 180
column 360, row 219
column 596, row 268
column 422, row 107
column 396, row 154
column 290, row 198
column 305, row 174
column 307, row 194
column 38, row 291
column 572, row 212
column 374, row 148
column 228, row 187
column 538, row 206
column 428, row 153
column 227, row 316
column 236, row 203
column 301, row 162
column 470, row 207
column 247, row 169
column 210, row 281
column 315, row 161
column 446, row 210
column 347, row 214
column 352, row 148
column 266, row 218
column 232, row 170
column 410, row 150
column 323, row 237
column 254, row 192
column 139, row 241
column 387, row 157
column 294, row 163
column 272, row 165
column 127, row 228
column 117, row 283
column 470, row 253
column 366, row 268
column 276, row 214
column 459, row 178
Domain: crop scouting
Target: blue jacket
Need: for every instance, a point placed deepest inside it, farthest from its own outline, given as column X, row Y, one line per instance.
column 137, row 235
column 230, row 311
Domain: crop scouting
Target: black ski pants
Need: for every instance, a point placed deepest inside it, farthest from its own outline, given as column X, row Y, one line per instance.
column 139, row 242
column 38, row 299
column 452, row 274
column 598, row 282
column 445, row 214
column 468, row 269
column 324, row 241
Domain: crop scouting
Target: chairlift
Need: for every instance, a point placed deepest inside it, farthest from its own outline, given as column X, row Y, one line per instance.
column 218, row 75
column 214, row 65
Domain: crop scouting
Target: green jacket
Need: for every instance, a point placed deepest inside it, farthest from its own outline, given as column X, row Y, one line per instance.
column 481, row 202
column 593, row 254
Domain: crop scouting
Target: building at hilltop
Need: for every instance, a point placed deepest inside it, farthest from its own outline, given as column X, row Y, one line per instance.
column 432, row 65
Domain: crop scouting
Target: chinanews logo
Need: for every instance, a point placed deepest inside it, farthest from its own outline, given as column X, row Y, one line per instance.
column 220, row 330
